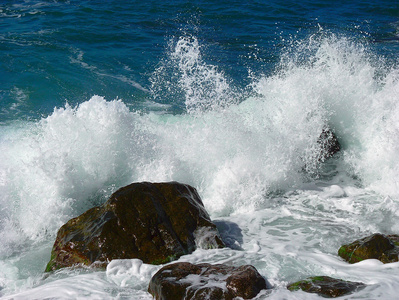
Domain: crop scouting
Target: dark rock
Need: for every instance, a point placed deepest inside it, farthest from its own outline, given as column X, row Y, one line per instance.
column 394, row 238
column 326, row 286
column 204, row 281
column 377, row 246
column 328, row 144
column 155, row 222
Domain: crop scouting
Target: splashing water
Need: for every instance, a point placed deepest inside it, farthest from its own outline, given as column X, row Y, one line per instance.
column 202, row 85
column 252, row 158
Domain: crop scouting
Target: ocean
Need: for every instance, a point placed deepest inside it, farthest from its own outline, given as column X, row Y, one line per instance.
column 227, row 96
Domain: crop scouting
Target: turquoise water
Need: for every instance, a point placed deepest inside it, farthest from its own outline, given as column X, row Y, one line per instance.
column 227, row 96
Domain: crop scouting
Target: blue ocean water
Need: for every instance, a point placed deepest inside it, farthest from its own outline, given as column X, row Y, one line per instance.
column 228, row 96
column 58, row 51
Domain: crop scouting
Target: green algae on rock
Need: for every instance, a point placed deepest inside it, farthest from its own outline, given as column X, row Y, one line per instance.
column 154, row 222
column 326, row 286
column 376, row 246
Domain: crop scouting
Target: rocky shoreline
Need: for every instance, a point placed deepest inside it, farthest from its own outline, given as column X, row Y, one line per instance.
column 159, row 222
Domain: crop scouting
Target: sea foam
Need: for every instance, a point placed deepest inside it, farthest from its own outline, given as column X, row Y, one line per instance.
column 252, row 155
column 234, row 152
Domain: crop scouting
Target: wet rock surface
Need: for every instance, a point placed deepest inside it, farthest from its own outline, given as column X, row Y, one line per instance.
column 329, row 144
column 376, row 246
column 326, row 286
column 205, row 281
column 154, row 222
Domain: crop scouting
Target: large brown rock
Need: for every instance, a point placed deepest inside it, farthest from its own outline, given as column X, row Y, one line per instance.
column 154, row 222
column 376, row 246
column 204, row 281
column 326, row 286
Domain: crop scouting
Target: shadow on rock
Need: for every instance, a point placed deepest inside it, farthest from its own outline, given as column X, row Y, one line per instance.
column 230, row 233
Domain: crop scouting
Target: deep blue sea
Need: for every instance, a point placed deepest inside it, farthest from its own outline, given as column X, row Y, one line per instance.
column 227, row 96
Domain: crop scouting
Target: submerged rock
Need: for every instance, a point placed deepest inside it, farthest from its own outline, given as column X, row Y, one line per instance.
column 154, row 222
column 376, row 246
column 205, row 281
column 326, row 286
column 328, row 143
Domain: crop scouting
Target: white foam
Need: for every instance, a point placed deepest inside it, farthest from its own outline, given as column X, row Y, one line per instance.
column 130, row 272
column 63, row 159
column 85, row 286
column 253, row 163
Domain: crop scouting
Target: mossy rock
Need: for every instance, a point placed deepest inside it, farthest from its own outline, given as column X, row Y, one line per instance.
column 154, row 222
column 394, row 238
column 376, row 246
column 326, row 286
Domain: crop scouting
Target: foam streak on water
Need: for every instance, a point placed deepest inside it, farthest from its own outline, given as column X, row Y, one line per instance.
column 252, row 156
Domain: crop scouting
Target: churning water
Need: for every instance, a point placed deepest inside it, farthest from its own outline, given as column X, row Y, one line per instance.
column 228, row 97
